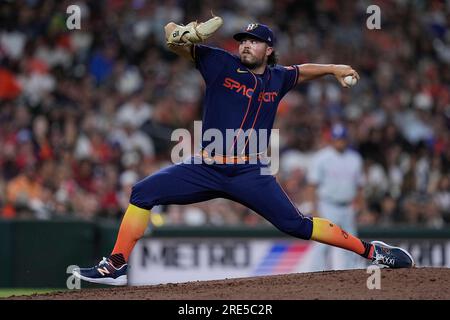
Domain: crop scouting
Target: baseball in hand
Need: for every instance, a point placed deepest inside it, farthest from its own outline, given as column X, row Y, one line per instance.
column 350, row 81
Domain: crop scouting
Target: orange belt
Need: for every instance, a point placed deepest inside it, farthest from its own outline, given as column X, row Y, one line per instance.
column 221, row 159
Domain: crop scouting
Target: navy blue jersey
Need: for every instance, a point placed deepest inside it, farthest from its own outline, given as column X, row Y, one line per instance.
column 239, row 99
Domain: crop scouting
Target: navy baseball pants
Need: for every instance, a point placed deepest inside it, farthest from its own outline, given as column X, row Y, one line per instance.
column 186, row 183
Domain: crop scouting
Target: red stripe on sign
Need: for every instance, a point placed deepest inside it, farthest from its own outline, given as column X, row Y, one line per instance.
column 291, row 258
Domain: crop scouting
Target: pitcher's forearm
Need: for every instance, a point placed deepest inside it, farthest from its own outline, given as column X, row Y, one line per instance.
column 310, row 71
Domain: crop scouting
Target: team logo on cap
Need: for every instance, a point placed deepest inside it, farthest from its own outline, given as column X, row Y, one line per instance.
column 252, row 26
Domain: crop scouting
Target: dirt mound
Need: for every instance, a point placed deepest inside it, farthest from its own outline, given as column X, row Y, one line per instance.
column 417, row 283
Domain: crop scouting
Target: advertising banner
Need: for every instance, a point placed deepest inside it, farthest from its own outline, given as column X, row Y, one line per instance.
column 173, row 260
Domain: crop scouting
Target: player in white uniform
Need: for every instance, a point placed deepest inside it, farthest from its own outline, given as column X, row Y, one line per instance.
column 336, row 179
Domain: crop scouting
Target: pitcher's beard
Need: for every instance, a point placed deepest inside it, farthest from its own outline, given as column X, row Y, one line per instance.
column 252, row 65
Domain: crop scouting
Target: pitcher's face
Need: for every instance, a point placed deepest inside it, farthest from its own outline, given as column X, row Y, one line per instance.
column 253, row 52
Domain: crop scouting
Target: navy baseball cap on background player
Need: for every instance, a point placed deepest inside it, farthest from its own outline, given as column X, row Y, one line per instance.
column 258, row 31
column 338, row 131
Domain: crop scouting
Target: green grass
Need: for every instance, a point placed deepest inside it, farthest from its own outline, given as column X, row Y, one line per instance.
column 7, row 292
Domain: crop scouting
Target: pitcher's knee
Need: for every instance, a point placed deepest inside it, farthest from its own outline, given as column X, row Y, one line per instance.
column 143, row 194
column 301, row 228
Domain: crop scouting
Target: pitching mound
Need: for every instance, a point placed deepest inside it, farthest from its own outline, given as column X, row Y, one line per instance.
column 417, row 283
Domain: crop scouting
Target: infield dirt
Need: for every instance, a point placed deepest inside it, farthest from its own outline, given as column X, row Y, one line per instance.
column 416, row 283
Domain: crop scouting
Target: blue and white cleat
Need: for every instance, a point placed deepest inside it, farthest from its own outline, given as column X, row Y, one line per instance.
column 103, row 273
column 387, row 256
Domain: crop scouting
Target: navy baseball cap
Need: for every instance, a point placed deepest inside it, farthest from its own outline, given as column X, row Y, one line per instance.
column 338, row 131
column 258, row 31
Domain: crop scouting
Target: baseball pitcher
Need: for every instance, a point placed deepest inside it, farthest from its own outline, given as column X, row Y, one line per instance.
column 242, row 93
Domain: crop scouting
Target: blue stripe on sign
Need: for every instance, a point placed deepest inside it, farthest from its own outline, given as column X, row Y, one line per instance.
column 272, row 258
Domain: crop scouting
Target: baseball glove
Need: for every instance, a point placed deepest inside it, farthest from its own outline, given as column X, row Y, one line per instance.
column 193, row 32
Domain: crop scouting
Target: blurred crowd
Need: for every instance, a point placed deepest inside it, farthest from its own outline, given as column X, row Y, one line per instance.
column 85, row 114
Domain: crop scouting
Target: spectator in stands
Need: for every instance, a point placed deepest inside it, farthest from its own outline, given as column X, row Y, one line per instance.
column 97, row 106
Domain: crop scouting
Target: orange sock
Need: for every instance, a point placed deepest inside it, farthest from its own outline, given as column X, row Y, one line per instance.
column 327, row 232
column 132, row 228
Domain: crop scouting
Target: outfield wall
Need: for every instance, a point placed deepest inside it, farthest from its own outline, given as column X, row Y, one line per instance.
column 37, row 253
